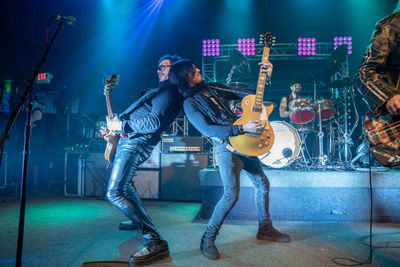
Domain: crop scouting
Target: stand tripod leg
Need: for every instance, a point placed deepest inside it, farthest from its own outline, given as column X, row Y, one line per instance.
column 302, row 148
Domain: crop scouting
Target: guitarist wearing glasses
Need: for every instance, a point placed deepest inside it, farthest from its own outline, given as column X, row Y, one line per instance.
column 209, row 112
column 140, row 127
column 380, row 76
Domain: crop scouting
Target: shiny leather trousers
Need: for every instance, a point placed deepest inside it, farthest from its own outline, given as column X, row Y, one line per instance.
column 230, row 165
column 121, row 192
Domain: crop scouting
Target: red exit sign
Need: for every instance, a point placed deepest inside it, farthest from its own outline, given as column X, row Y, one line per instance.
column 44, row 77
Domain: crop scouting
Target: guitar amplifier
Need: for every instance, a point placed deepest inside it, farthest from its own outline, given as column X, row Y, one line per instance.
column 181, row 144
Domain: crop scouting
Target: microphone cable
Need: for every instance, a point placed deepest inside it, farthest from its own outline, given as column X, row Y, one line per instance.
column 371, row 248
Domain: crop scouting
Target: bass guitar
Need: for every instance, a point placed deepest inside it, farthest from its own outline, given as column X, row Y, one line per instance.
column 253, row 109
column 111, row 137
column 383, row 133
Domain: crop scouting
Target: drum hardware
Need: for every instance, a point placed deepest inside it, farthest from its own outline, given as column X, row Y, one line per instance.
column 345, row 82
column 345, row 135
column 306, row 158
column 322, row 158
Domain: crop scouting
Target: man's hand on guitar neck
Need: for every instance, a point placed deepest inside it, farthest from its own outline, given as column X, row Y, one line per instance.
column 393, row 105
column 114, row 124
column 266, row 67
column 253, row 126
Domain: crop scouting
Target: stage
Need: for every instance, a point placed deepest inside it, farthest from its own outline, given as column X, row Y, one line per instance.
column 67, row 231
column 319, row 195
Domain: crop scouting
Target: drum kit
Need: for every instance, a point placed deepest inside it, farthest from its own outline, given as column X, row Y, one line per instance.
column 315, row 117
column 309, row 117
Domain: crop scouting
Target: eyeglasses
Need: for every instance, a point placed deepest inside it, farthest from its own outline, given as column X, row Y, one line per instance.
column 163, row 67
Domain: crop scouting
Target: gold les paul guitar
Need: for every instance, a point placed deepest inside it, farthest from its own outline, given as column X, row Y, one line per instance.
column 253, row 109
column 111, row 137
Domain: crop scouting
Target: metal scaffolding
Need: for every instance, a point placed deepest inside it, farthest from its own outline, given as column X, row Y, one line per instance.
column 279, row 51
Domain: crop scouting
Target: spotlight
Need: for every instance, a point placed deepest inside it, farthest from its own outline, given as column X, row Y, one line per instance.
column 211, row 47
column 306, row 46
column 247, row 46
column 340, row 40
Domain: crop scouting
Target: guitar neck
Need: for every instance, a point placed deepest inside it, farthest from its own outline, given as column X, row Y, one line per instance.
column 110, row 110
column 262, row 78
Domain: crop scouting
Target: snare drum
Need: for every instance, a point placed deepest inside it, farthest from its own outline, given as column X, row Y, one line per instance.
column 286, row 147
column 301, row 111
column 327, row 109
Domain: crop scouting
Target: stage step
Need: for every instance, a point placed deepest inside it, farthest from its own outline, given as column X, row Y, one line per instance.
column 312, row 195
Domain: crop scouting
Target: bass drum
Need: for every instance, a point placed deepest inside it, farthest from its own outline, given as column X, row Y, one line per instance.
column 286, row 147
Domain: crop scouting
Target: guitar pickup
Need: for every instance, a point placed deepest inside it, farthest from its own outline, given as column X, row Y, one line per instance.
column 256, row 109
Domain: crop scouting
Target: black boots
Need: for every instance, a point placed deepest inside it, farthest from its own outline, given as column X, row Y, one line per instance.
column 151, row 250
column 208, row 247
column 271, row 234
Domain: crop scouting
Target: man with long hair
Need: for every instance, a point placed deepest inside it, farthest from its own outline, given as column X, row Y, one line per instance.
column 208, row 111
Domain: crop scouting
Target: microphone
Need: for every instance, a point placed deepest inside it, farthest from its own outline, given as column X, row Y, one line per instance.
column 70, row 19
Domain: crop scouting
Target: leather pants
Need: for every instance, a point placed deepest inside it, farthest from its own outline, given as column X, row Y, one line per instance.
column 121, row 191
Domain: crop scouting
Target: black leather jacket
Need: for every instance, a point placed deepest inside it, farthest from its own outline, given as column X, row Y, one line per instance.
column 153, row 112
column 380, row 69
column 208, row 111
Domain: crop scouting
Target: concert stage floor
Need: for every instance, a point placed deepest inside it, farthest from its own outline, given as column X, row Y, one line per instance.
column 61, row 231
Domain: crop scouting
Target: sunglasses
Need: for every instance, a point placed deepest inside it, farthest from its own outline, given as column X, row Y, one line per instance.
column 163, row 67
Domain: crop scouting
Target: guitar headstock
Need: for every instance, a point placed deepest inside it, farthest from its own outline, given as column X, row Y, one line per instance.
column 267, row 39
column 111, row 82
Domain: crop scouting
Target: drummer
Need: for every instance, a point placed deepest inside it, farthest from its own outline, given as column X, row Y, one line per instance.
column 295, row 88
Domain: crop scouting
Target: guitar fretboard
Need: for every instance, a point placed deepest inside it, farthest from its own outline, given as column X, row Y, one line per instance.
column 262, row 79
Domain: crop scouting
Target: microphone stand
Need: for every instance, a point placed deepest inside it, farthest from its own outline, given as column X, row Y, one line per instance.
column 27, row 95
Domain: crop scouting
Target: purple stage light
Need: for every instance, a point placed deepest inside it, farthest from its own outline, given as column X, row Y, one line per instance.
column 247, row 46
column 343, row 40
column 211, row 47
column 306, row 46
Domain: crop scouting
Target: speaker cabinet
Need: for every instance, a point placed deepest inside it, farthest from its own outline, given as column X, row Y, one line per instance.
column 146, row 183
column 179, row 176
column 85, row 174
column 96, row 174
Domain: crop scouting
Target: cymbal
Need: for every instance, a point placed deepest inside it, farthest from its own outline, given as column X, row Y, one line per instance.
column 237, row 58
column 239, row 86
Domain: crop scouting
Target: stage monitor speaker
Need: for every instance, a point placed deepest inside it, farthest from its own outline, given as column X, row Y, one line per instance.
column 179, row 176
